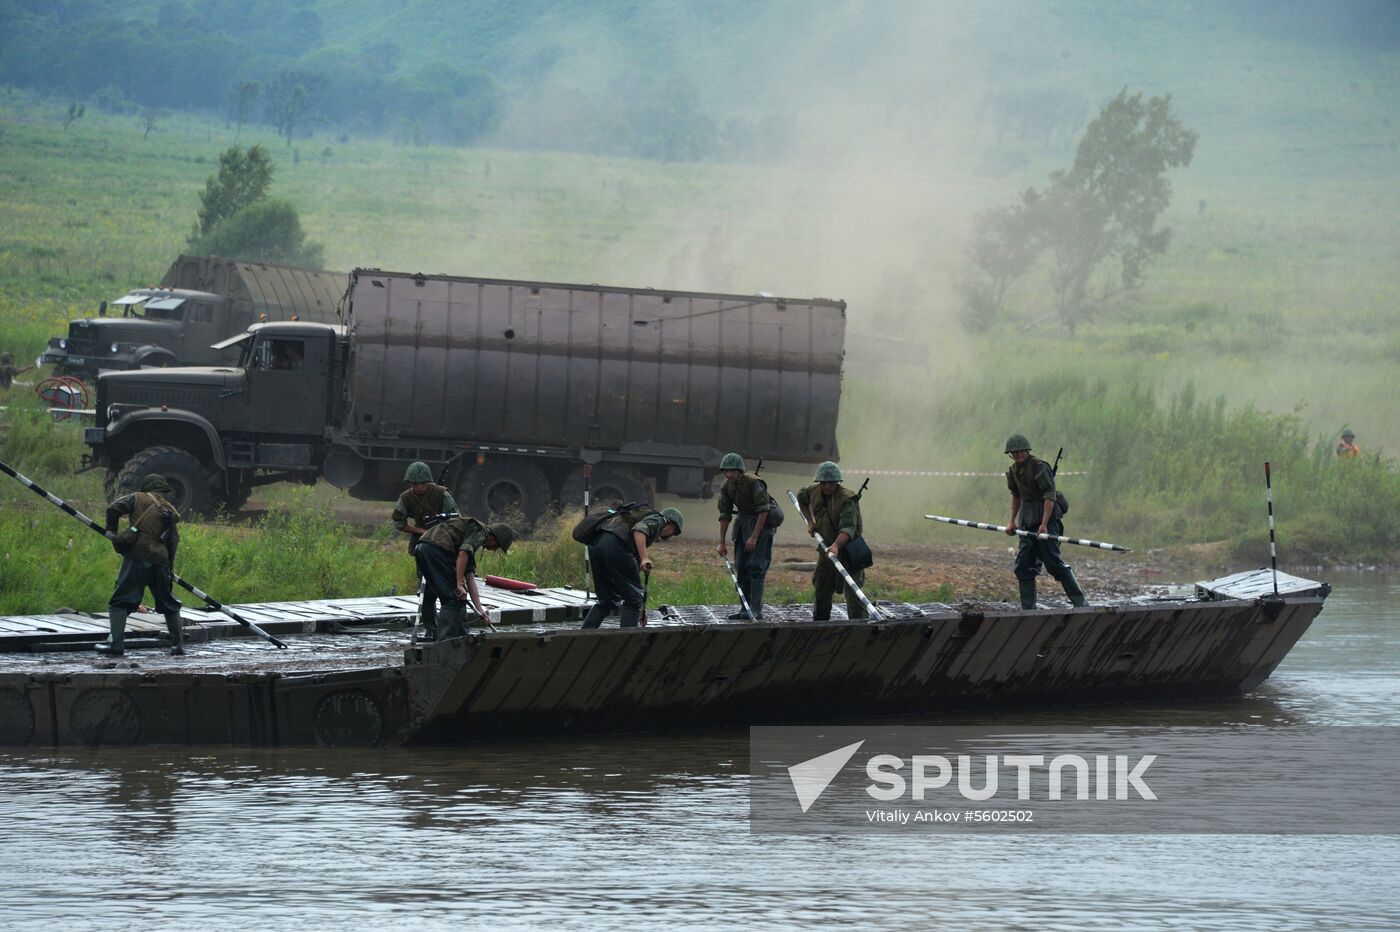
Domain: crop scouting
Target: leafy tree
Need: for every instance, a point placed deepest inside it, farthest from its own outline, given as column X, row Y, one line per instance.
column 243, row 178
column 1004, row 247
column 266, row 231
column 1097, row 219
column 291, row 100
column 1104, row 209
column 241, row 100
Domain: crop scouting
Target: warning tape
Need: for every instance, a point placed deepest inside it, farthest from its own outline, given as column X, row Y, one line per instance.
column 932, row 472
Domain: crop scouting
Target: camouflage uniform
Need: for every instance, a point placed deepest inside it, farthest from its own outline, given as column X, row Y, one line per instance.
column 148, row 565
column 748, row 495
column 436, row 554
column 1034, row 483
column 833, row 515
column 437, row 500
column 617, row 568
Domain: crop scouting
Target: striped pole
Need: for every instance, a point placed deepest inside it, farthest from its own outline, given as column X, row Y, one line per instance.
column 1002, row 529
column 587, row 562
column 739, row 589
column 869, row 606
column 1273, row 550
column 200, row 594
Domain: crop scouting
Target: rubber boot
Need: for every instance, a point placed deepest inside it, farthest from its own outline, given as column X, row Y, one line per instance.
column 451, row 623
column 1027, row 593
column 629, row 617
column 1072, row 590
column 595, row 616
column 427, row 615
column 176, row 628
column 756, row 599
column 113, row 645
column 742, row 615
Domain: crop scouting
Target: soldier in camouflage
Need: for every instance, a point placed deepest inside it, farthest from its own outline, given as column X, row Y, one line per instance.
column 421, row 500
column 753, row 538
column 617, row 552
column 148, row 564
column 834, row 510
column 446, row 555
column 1034, row 508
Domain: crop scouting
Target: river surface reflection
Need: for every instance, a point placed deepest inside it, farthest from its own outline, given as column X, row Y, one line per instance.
column 653, row 831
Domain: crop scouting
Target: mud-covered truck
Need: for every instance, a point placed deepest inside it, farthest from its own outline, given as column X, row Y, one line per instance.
column 201, row 301
column 509, row 388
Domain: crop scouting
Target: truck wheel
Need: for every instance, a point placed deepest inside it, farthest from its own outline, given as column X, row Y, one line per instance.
column 611, row 485
column 505, row 489
column 192, row 491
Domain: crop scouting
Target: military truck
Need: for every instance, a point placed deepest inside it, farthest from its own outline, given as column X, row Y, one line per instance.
column 508, row 388
column 201, row 301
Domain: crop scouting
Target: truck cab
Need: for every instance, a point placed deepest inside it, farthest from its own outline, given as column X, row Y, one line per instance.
column 157, row 327
column 216, row 432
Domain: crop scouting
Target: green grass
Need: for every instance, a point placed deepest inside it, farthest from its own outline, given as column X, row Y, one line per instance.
column 1270, row 323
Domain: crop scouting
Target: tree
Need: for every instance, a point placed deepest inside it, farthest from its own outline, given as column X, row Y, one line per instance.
column 75, row 112
column 266, row 231
column 1097, row 219
column 243, row 178
column 1004, row 247
column 241, row 100
column 291, row 100
column 1105, row 208
column 149, row 118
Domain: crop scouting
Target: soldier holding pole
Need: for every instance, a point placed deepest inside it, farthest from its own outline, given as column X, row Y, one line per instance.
column 832, row 510
column 753, row 536
column 148, row 560
column 446, row 555
column 1036, row 507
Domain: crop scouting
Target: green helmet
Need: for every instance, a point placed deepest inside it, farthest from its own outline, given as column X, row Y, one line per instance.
column 675, row 517
column 829, row 472
column 504, row 534
column 1017, row 442
column 418, row 472
column 731, row 461
column 1349, row 434
column 155, row 482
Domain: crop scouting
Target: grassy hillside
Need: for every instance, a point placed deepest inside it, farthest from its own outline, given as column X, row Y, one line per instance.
column 1279, row 295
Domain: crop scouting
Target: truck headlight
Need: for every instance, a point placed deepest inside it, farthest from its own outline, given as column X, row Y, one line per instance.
column 62, row 344
column 114, row 348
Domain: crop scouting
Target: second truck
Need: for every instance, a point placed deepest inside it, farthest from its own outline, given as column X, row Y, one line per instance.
column 509, row 389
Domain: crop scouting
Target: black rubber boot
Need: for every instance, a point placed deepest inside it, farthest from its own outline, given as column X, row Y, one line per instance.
column 1072, row 590
column 630, row 617
column 176, row 627
column 451, row 623
column 742, row 615
column 113, row 645
column 756, row 598
column 1027, row 593
column 595, row 616
column 427, row 615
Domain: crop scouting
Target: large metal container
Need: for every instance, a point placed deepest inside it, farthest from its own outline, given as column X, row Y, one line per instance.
column 260, row 290
column 536, row 363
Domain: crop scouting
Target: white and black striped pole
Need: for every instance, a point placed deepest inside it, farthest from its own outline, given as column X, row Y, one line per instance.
column 869, row 606
column 738, row 588
column 1001, row 528
column 208, row 599
column 587, row 562
column 1273, row 549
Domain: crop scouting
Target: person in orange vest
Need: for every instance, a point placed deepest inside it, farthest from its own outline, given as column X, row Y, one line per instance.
column 1347, row 448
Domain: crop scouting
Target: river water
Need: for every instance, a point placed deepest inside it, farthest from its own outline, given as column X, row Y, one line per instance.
column 653, row 832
